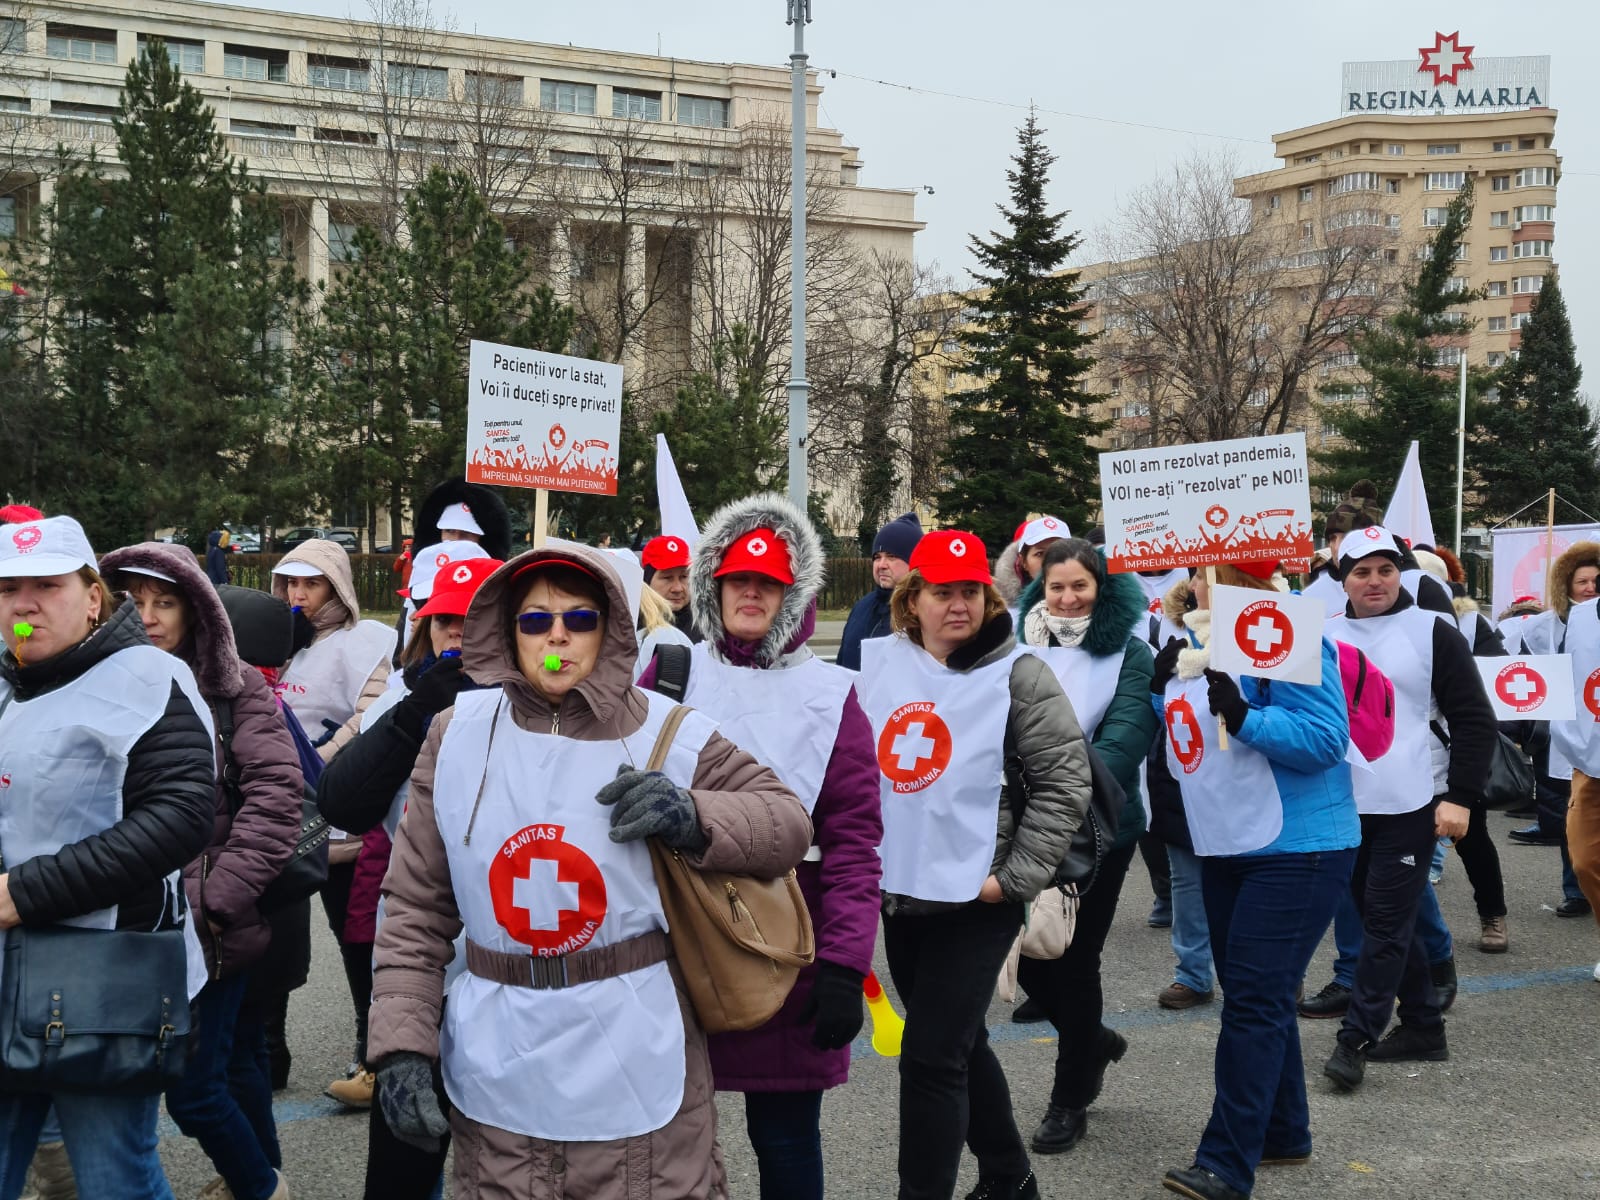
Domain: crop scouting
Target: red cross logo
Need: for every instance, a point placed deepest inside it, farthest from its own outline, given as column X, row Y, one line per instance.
column 558, row 436
column 914, row 747
column 1183, row 731
column 1049, row 523
column 756, row 547
column 1446, row 58
column 1155, row 604
column 1216, row 516
column 1373, row 532
column 672, row 545
column 958, row 548
column 27, row 538
column 547, row 893
column 441, row 558
column 1521, row 687
column 462, row 574
column 1591, row 693
column 1264, row 632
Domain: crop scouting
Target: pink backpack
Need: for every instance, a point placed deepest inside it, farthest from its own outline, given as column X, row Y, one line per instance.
column 1369, row 695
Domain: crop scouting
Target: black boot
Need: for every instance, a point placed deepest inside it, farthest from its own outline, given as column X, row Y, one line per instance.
column 1110, row 1047
column 1408, row 1043
column 1029, row 1012
column 1197, row 1183
column 1444, row 982
column 1005, row 1187
column 1061, row 1130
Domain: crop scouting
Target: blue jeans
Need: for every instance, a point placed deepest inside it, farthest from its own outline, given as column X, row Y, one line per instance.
column 250, row 1079
column 786, row 1133
column 1191, row 935
column 1267, row 914
column 1432, row 932
column 111, row 1143
column 205, row 1109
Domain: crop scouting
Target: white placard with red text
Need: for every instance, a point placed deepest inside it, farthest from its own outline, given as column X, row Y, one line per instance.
column 1272, row 635
column 1245, row 500
column 1535, row 688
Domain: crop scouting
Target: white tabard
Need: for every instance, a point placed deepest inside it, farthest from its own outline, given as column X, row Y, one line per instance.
column 541, row 876
column 1230, row 798
column 323, row 681
column 1330, row 591
column 787, row 719
column 1401, row 645
column 940, row 740
column 1579, row 739
column 1089, row 682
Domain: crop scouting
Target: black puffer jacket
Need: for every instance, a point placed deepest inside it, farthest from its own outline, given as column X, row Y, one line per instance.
column 168, row 801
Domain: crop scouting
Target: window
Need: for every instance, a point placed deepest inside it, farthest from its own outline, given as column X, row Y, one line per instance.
column 1445, row 181
column 1305, row 194
column 189, row 57
column 13, row 36
column 648, row 166
column 1339, row 361
column 15, row 104
column 1356, row 181
column 1534, row 249
column 575, row 158
column 350, row 137
column 1497, row 287
column 1391, row 256
column 637, row 106
column 1501, row 147
column 503, row 91
column 80, row 44
column 560, row 96
column 1500, row 183
column 1432, row 218
column 1525, row 143
column 703, row 110
column 73, row 111
column 1444, row 148
column 1307, row 231
column 278, row 244
column 1497, row 324
column 403, row 79
column 1527, row 285
column 8, row 216
column 1534, row 212
column 1392, row 186
column 1497, row 358
column 342, row 241
column 951, row 346
column 263, row 66
column 259, row 129
column 1114, row 385
column 1356, row 216
column 1447, row 356
column 1115, row 413
column 1497, row 254
column 1307, row 159
column 338, row 74
column 1272, row 201
column 1458, row 283
column 1520, row 320
column 1395, row 148
column 1499, row 220
column 1536, row 177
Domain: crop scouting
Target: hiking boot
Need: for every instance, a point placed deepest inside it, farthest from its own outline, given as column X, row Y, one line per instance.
column 1493, row 940
column 1197, row 1183
column 1005, row 1187
column 1111, row 1046
column 1061, row 1130
column 1407, row 1043
column 1347, row 1066
column 1331, row 1001
column 354, row 1092
column 1029, row 1012
column 1443, row 975
column 1181, row 996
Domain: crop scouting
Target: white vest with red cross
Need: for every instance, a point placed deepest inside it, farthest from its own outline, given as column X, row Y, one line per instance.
column 540, row 875
column 1090, row 681
column 1230, row 797
column 940, row 739
column 1579, row 740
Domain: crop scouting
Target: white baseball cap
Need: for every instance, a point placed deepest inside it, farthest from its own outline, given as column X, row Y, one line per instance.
column 459, row 518
column 298, row 569
column 147, row 572
column 425, row 564
column 1043, row 529
column 1364, row 543
column 51, row 546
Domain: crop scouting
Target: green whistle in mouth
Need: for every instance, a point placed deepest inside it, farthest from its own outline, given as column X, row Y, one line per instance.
column 552, row 662
column 22, row 629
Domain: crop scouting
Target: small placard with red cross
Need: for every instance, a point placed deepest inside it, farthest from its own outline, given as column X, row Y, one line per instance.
column 1272, row 635
column 1536, row 688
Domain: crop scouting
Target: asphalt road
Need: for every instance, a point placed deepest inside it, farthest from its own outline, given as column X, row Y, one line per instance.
column 1507, row 1116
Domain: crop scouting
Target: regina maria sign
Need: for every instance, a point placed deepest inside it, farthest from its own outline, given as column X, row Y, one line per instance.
column 1446, row 77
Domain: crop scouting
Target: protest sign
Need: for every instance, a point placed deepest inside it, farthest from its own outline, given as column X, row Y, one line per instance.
column 539, row 420
column 1244, row 500
column 1521, row 562
column 1272, row 635
column 1535, row 688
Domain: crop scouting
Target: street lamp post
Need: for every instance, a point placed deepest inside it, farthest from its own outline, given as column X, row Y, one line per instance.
column 798, row 387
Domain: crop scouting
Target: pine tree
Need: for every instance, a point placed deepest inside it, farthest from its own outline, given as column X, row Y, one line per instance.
column 1409, row 395
column 1022, row 441
column 1540, row 433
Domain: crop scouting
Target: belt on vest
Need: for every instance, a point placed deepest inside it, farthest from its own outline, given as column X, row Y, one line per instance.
column 568, row 970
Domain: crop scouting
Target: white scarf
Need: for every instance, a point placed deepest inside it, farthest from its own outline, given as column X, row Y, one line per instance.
column 1039, row 626
column 1193, row 660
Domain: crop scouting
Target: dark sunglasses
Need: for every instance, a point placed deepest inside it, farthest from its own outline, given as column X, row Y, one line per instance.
column 577, row 620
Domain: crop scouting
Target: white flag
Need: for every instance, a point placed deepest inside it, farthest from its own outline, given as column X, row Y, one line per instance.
column 1535, row 688
column 1408, row 514
column 1272, row 635
column 676, row 519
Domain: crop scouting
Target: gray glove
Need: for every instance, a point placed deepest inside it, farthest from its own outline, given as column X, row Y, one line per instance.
column 409, row 1103
column 648, row 804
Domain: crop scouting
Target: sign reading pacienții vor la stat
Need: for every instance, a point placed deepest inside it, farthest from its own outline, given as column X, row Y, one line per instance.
column 1446, row 77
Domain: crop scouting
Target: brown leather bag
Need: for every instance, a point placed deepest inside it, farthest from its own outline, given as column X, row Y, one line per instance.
column 740, row 941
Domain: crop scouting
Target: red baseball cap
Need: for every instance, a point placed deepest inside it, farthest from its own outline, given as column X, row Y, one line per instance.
column 761, row 552
column 951, row 556
column 665, row 553
column 454, row 587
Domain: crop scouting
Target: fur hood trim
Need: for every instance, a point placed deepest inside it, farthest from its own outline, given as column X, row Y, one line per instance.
column 1580, row 554
column 1175, row 604
column 1118, row 608
column 1008, row 574
column 212, row 652
column 1464, row 605
column 726, row 526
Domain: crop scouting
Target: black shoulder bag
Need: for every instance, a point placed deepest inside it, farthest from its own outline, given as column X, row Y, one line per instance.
column 1092, row 839
column 1511, row 782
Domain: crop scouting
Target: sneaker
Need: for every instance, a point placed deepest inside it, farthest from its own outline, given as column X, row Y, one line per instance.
column 1061, row 1130
column 1408, row 1043
column 1443, row 975
column 1181, row 995
column 355, row 1092
column 1331, row 1001
column 1197, row 1183
column 1435, row 874
column 1160, row 915
column 1347, row 1066
column 1005, row 1187
column 1493, row 939
column 1029, row 1012
column 1111, row 1047
column 1574, row 906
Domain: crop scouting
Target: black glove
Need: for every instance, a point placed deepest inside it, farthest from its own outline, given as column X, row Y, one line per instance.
column 836, row 1005
column 434, row 691
column 1166, row 665
column 1223, row 698
column 648, row 804
column 409, row 1103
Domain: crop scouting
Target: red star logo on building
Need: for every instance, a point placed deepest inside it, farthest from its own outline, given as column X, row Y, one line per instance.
column 1445, row 58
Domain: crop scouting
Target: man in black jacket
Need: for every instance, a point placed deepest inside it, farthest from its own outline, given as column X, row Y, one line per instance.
column 891, row 560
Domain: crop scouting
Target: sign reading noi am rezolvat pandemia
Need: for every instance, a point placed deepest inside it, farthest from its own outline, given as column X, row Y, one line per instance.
column 540, row 420
column 1243, row 500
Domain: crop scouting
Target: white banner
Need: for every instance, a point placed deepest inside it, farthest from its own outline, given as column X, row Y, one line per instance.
column 1536, row 688
column 1272, row 635
column 676, row 517
column 1520, row 562
column 1245, row 500
column 1408, row 513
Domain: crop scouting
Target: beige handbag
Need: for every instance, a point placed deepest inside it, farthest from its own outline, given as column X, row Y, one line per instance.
column 1052, row 920
column 740, row 941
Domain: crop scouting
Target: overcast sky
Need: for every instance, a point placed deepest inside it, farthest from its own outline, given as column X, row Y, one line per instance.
column 1145, row 85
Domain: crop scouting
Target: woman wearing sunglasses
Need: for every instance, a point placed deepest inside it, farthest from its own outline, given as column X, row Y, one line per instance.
column 571, row 1058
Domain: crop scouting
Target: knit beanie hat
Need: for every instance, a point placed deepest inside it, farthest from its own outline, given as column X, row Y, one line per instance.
column 899, row 537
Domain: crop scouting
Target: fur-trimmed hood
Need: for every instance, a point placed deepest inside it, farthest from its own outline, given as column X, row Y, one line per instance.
column 725, row 526
column 1117, row 609
column 1579, row 554
column 1176, row 602
column 487, row 509
column 1008, row 574
column 1464, row 605
column 210, row 649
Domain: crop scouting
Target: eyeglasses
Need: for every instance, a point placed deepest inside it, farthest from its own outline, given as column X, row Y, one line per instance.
column 577, row 620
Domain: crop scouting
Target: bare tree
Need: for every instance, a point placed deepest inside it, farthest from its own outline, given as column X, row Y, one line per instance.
column 1217, row 316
